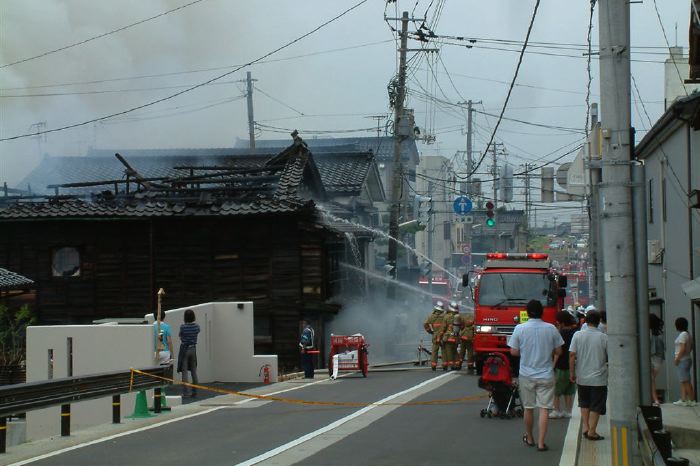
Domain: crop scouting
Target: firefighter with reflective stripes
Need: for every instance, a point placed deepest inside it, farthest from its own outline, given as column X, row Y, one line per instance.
column 466, row 341
column 433, row 325
column 450, row 336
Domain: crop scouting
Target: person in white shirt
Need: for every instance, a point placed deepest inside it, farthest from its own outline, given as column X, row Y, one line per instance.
column 538, row 344
column 588, row 368
column 682, row 346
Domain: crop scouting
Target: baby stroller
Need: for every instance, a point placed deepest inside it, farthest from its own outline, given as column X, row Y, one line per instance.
column 497, row 379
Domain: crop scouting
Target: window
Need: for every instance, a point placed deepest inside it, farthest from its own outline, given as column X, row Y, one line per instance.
column 650, row 190
column 515, row 289
column 447, row 231
column 65, row 262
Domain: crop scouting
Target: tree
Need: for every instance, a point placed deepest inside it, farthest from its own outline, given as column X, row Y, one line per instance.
column 13, row 329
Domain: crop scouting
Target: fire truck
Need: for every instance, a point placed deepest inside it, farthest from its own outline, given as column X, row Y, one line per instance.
column 440, row 288
column 501, row 291
column 578, row 289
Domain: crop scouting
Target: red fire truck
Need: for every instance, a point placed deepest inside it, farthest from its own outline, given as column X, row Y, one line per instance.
column 440, row 289
column 501, row 291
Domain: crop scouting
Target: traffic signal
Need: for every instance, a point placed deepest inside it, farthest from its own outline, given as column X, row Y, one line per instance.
column 490, row 220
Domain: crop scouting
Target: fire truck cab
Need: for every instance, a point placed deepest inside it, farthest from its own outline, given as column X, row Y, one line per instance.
column 501, row 291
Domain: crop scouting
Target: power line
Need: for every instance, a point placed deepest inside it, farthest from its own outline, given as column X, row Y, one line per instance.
column 588, row 67
column 148, row 104
column 278, row 101
column 200, row 70
column 99, row 36
column 673, row 59
column 510, row 89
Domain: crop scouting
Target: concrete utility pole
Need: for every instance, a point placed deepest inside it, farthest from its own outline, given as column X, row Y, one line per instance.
column 251, row 119
column 594, row 245
column 617, row 228
column 642, row 280
column 397, row 179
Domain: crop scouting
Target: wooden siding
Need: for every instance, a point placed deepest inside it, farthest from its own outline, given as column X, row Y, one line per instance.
column 279, row 263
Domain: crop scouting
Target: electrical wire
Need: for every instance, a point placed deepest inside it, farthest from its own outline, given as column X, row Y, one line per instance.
column 510, row 89
column 278, row 101
column 99, row 36
column 197, row 86
column 668, row 44
column 588, row 68
column 200, row 70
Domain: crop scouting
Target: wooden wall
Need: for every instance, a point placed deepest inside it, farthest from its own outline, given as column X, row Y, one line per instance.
column 279, row 263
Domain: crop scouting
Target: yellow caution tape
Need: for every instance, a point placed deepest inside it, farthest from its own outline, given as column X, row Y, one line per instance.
column 308, row 402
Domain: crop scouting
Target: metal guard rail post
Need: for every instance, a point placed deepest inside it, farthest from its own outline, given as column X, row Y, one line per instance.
column 23, row 397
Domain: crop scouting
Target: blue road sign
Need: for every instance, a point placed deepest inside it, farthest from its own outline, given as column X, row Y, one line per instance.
column 463, row 205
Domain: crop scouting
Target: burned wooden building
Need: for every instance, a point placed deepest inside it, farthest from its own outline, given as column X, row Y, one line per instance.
column 246, row 229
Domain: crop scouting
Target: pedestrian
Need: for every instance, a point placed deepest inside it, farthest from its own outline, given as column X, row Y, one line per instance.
column 588, row 368
column 683, row 345
column 187, row 357
column 657, row 349
column 539, row 345
column 306, row 344
column 564, row 387
column 163, row 341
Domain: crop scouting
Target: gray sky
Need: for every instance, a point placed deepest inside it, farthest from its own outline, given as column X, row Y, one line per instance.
column 335, row 90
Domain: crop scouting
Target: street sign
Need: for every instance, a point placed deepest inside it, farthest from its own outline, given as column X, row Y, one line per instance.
column 462, row 205
column 466, row 249
column 466, row 259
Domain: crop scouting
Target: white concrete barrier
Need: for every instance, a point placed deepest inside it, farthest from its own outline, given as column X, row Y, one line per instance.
column 224, row 354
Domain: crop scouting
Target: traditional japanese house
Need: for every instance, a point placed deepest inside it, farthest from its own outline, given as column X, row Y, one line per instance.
column 246, row 230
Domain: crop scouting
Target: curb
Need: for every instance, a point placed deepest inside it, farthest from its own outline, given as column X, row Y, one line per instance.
column 570, row 449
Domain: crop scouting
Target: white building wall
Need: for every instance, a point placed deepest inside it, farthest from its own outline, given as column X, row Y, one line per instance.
column 224, row 353
column 673, row 86
column 667, row 223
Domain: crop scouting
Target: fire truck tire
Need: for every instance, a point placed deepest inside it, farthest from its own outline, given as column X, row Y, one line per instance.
column 479, row 366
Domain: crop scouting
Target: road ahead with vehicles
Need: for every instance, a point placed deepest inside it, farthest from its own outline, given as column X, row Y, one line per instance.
column 400, row 416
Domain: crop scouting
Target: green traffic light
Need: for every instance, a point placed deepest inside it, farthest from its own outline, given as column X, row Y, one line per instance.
column 490, row 223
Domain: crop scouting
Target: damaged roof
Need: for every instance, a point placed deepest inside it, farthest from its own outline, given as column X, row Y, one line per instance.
column 341, row 172
column 259, row 185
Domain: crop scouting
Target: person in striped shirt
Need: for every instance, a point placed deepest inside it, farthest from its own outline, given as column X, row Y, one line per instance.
column 187, row 357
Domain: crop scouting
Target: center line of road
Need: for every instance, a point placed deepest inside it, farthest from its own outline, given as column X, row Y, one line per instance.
column 305, row 438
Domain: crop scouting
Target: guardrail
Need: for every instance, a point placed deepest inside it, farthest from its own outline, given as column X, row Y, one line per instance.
column 20, row 398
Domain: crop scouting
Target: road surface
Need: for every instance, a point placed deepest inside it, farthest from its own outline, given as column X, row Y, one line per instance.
column 359, row 432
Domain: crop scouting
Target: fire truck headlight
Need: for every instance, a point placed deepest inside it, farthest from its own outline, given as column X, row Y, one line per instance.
column 484, row 329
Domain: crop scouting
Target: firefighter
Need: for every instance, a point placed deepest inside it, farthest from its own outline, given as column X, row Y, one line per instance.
column 466, row 341
column 433, row 325
column 450, row 335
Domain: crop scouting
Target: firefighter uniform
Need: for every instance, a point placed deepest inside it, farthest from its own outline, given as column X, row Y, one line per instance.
column 433, row 325
column 466, row 341
column 450, row 334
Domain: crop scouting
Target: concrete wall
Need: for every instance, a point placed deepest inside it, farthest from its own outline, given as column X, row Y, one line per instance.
column 225, row 344
column 96, row 348
column 224, row 353
column 667, row 222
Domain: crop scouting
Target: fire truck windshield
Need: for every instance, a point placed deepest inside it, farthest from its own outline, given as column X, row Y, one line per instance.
column 514, row 288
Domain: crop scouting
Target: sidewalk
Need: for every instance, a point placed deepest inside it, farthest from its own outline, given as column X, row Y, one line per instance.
column 682, row 422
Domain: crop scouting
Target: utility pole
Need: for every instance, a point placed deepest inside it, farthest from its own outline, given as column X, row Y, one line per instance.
column 397, row 179
column 617, row 228
column 595, row 245
column 251, row 119
column 494, row 171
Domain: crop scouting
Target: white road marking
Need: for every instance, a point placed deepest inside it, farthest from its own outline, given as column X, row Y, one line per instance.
column 305, row 438
column 152, row 426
